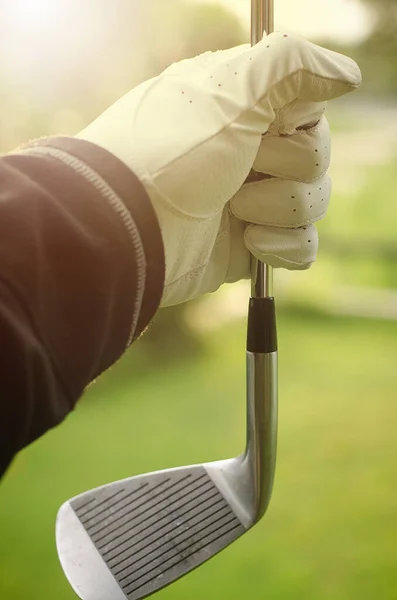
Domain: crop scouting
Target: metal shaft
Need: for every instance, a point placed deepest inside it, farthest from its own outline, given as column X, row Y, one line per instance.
column 260, row 455
column 262, row 19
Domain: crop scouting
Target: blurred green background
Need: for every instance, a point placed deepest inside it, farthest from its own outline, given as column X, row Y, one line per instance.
column 177, row 397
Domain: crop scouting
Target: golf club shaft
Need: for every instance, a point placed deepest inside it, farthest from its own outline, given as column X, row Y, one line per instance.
column 262, row 19
column 261, row 343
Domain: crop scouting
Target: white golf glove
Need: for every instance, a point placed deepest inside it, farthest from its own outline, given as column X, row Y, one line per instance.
column 192, row 136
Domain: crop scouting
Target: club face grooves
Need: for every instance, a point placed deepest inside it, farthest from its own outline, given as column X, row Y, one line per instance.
column 152, row 530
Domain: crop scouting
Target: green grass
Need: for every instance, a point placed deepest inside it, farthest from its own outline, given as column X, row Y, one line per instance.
column 331, row 530
column 360, row 229
column 370, row 214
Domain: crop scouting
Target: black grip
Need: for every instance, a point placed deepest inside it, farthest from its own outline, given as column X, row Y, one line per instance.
column 262, row 331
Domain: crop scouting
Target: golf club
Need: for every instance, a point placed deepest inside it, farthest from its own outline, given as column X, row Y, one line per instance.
column 130, row 538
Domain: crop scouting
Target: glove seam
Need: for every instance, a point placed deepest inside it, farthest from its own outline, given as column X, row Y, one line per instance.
column 186, row 276
column 190, row 274
column 280, row 177
column 150, row 187
column 295, row 131
column 282, row 224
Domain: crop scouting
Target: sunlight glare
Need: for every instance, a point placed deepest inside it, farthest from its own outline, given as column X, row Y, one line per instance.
column 27, row 14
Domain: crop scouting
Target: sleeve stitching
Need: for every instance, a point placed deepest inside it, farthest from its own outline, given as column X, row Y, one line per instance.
column 118, row 207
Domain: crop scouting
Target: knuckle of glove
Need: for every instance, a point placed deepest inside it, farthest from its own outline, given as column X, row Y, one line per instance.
column 303, row 155
column 293, row 249
column 298, row 115
column 282, row 203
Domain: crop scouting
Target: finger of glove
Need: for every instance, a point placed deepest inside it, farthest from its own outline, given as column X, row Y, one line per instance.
column 303, row 156
column 293, row 249
column 301, row 70
column 297, row 115
column 282, row 202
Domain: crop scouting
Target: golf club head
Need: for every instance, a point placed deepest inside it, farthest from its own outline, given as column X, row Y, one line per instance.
column 131, row 538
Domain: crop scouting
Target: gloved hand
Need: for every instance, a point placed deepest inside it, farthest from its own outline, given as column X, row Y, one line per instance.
column 192, row 136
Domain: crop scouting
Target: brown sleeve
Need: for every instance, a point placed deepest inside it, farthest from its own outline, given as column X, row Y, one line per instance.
column 81, row 276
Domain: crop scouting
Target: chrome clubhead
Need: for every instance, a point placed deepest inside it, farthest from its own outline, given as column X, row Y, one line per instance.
column 130, row 538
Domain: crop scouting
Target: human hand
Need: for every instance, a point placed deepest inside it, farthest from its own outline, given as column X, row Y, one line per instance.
column 193, row 134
